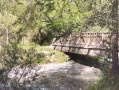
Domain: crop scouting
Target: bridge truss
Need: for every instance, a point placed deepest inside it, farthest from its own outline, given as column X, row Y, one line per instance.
column 93, row 43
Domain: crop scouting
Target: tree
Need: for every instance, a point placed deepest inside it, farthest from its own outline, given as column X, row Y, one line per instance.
column 6, row 20
column 115, row 67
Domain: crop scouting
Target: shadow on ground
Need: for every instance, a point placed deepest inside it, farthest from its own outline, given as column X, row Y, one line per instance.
column 92, row 61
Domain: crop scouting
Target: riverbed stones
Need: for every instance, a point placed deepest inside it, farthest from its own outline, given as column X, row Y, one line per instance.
column 58, row 76
column 31, row 71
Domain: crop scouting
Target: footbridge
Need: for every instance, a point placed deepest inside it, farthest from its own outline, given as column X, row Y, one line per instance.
column 93, row 43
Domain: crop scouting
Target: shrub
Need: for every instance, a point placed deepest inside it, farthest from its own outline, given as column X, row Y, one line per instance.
column 15, row 54
column 105, row 83
column 12, row 55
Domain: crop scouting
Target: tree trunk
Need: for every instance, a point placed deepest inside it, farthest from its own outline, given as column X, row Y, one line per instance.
column 115, row 69
column 7, row 35
column 6, row 27
column 39, row 33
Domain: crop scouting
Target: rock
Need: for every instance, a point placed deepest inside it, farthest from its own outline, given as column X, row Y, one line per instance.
column 45, row 52
column 50, row 78
column 52, row 58
column 1, row 86
column 87, row 70
column 22, row 80
column 32, row 73
column 29, row 72
column 62, row 88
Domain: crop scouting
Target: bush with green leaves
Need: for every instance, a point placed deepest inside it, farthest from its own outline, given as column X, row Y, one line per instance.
column 105, row 83
column 13, row 55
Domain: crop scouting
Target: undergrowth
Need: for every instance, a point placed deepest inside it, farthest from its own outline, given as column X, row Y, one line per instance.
column 107, row 81
column 29, row 53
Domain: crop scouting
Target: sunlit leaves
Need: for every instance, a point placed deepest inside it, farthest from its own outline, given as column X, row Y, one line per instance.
column 48, row 16
column 7, row 20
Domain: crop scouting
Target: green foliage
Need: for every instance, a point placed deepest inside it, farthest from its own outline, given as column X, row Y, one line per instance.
column 31, row 19
column 7, row 20
column 51, row 56
column 97, row 29
column 14, row 54
column 51, row 17
column 105, row 83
